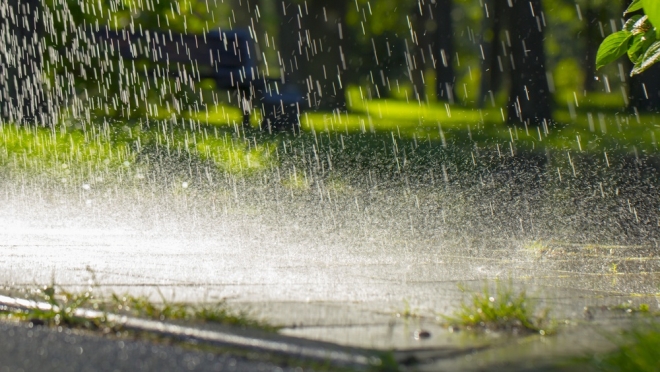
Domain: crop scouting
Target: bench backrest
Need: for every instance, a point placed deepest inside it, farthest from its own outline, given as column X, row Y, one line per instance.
column 227, row 56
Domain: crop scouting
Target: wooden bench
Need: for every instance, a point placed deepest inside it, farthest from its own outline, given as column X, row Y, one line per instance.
column 227, row 56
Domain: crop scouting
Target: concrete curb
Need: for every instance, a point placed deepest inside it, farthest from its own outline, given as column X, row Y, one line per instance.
column 282, row 345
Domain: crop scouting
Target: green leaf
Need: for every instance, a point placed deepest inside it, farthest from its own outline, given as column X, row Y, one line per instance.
column 613, row 47
column 639, row 45
column 638, row 24
column 632, row 22
column 635, row 50
column 635, row 5
column 652, row 10
column 651, row 56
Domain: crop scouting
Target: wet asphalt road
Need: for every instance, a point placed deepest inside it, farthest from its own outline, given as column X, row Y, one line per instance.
column 337, row 269
column 26, row 348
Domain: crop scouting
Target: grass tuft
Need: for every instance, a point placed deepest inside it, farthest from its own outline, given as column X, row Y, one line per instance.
column 217, row 313
column 630, row 308
column 62, row 312
column 502, row 310
column 637, row 351
column 386, row 362
column 64, row 305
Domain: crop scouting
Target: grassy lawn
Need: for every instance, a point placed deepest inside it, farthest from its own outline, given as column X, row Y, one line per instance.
column 377, row 133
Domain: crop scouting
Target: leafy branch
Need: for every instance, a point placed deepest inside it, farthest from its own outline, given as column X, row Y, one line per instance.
column 639, row 38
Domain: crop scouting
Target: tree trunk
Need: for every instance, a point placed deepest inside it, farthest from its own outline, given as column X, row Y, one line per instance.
column 378, row 75
column 21, row 93
column 415, row 53
column 432, row 45
column 443, row 51
column 593, row 40
column 289, row 34
column 529, row 96
column 310, row 39
column 492, row 62
column 244, row 15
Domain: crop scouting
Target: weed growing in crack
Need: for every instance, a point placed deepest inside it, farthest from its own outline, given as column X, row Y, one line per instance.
column 630, row 308
column 407, row 312
column 501, row 310
column 218, row 313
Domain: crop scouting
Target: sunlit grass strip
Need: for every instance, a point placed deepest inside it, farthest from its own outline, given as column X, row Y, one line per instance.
column 63, row 152
column 221, row 114
column 503, row 310
column 236, row 157
column 593, row 128
column 450, row 115
column 58, row 151
column 402, row 118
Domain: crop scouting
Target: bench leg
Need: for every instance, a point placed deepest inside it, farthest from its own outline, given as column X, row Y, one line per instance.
column 246, row 119
column 278, row 116
column 245, row 104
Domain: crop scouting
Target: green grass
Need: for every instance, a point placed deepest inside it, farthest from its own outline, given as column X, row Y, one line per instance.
column 62, row 151
column 62, row 312
column 386, row 363
column 591, row 123
column 503, row 309
column 218, row 313
column 599, row 124
column 75, row 154
column 64, row 305
column 637, row 351
column 629, row 308
column 379, row 133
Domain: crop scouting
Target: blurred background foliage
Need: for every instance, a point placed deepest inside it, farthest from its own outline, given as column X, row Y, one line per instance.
column 367, row 23
column 393, row 51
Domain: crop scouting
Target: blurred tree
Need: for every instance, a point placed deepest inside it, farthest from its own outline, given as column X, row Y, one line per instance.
column 290, row 33
column 529, row 94
column 518, row 26
column 431, row 46
column 416, row 52
column 595, row 15
column 379, row 45
column 492, row 62
column 21, row 85
column 312, row 35
column 246, row 14
column 443, row 50
column 82, row 83
column 253, row 15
